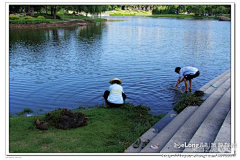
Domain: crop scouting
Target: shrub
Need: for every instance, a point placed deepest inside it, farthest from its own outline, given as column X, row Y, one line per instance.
column 13, row 17
column 28, row 17
column 118, row 9
column 46, row 16
column 194, row 99
column 26, row 110
column 40, row 17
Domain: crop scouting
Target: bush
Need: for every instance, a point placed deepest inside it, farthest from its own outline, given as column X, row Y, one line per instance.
column 40, row 17
column 118, row 9
column 28, row 17
column 46, row 16
column 194, row 99
column 13, row 17
column 26, row 110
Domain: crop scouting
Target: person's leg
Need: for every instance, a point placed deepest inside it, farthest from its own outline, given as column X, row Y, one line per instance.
column 190, row 77
column 190, row 82
column 186, row 85
column 124, row 96
column 114, row 105
column 106, row 103
column 105, row 95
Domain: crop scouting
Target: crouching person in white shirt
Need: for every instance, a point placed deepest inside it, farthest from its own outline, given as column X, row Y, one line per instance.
column 114, row 96
column 186, row 74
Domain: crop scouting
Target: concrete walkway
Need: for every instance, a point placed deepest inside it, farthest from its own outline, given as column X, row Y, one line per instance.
column 197, row 128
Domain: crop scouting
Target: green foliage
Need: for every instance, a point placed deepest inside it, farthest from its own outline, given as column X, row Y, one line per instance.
column 188, row 100
column 40, row 17
column 118, row 9
column 198, row 10
column 26, row 110
column 13, row 17
column 28, row 17
column 46, row 16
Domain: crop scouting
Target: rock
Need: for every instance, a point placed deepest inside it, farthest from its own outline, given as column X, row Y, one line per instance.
column 41, row 124
column 222, row 18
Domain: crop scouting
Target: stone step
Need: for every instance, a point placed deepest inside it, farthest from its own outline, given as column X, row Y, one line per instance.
column 163, row 137
column 213, row 81
column 223, row 137
column 210, row 127
column 188, row 129
column 153, row 131
column 211, row 89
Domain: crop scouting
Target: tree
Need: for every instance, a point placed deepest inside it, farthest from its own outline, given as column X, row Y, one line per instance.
column 220, row 10
column 180, row 9
column 14, row 8
column 54, row 10
column 198, row 10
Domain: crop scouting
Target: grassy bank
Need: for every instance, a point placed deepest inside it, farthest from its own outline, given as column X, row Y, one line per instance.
column 69, row 17
column 45, row 21
column 172, row 15
column 129, row 13
column 109, row 130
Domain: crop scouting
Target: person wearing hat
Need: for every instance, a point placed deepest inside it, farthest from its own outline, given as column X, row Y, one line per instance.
column 114, row 96
column 186, row 74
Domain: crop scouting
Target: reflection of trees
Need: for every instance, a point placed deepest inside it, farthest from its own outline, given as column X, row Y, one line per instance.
column 41, row 37
column 90, row 32
column 28, row 37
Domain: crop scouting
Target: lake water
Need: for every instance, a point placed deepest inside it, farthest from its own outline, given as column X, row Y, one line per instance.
column 71, row 67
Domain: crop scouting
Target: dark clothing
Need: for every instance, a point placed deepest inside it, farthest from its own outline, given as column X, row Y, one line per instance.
column 106, row 94
column 188, row 77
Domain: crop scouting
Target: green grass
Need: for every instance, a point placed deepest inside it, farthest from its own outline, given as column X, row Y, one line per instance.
column 109, row 130
column 129, row 13
column 68, row 17
column 172, row 15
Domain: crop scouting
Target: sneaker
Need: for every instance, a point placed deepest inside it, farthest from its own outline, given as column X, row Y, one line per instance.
column 137, row 143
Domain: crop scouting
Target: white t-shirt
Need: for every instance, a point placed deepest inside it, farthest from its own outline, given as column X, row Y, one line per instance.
column 187, row 71
column 115, row 95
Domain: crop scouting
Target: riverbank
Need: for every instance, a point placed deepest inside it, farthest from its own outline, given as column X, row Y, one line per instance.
column 50, row 25
column 109, row 130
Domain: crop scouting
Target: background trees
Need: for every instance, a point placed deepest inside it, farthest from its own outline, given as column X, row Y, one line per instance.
column 197, row 10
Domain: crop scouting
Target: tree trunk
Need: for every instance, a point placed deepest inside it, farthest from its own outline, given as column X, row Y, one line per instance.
column 86, row 15
column 28, row 10
column 32, row 11
column 46, row 8
column 54, row 12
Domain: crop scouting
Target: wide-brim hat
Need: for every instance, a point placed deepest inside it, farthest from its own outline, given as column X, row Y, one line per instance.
column 115, row 79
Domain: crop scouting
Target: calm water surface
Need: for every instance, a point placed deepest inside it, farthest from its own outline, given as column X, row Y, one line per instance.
column 71, row 67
